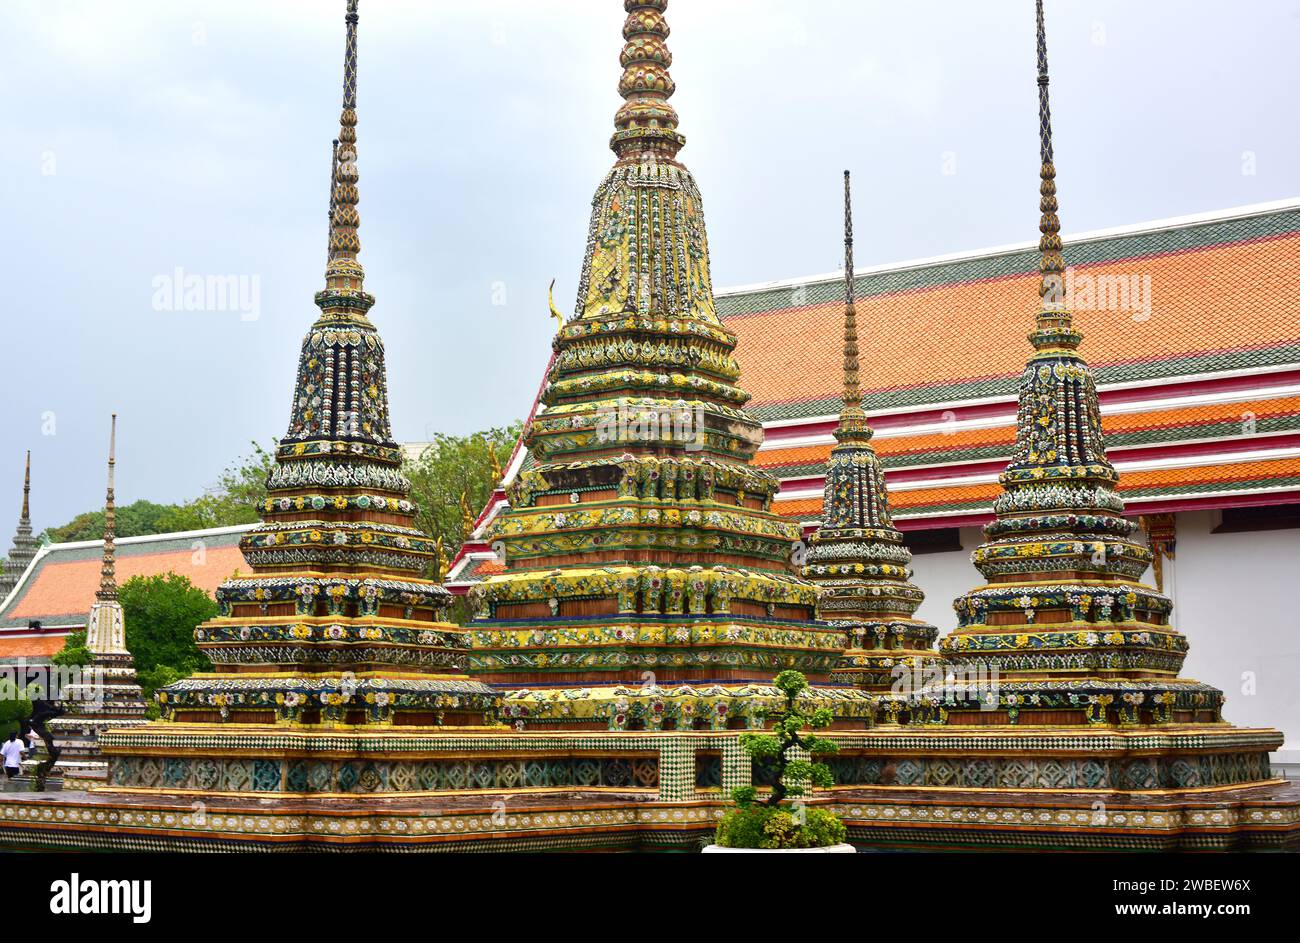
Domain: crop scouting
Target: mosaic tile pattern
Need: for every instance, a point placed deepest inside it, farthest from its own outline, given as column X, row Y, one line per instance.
column 1050, row 772
column 382, row 776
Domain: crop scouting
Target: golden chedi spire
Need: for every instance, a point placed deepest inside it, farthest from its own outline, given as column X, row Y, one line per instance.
column 26, row 514
column 343, row 270
column 647, row 252
column 1054, row 327
column 856, row 555
column 106, row 628
column 646, row 122
column 641, row 542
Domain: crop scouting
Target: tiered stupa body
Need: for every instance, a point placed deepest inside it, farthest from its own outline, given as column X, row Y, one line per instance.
column 857, row 555
column 109, row 697
column 647, row 578
column 25, row 545
column 1064, row 620
column 336, row 625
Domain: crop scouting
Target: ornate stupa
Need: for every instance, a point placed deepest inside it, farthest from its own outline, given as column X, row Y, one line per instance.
column 25, row 545
column 857, row 555
column 1064, row 620
column 109, row 698
column 335, row 626
column 647, row 580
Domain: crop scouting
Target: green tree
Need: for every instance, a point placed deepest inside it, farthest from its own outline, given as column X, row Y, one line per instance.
column 15, row 707
column 768, row 825
column 161, row 614
column 451, row 467
column 74, row 651
column 788, row 721
column 139, row 517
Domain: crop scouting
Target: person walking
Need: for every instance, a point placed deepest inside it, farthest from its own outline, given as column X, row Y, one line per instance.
column 13, row 754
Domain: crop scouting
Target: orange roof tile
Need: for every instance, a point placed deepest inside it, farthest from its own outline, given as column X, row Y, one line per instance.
column 1214, row 298
column 70, row 587
column 36, row 646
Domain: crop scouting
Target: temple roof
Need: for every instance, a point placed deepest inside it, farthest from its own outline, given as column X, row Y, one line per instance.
column 1200, row 402
column 59, row 586
column 1240, row 315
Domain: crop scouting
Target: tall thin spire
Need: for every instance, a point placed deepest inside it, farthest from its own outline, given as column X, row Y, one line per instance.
column 341, row 394
column 1054, row 328
column 856, row 555
column 345, row 244
column 646, row 121
column 108, row 568
column 24, row 546
column 853, row 421
column 110, row 700
column 26, row 516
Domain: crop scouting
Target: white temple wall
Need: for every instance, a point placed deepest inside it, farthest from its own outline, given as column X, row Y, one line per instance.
column 945, row 576
column 1236, row 598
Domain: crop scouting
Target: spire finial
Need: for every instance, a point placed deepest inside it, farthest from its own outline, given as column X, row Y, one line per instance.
column 344, row 244
column 107, row 570
column 852, row 395
column 26, row 516
column 1054, row 327
column 853, row 421
column 646, row 122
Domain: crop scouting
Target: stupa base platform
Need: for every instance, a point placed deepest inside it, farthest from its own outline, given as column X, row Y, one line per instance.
column 1262, row 817
column 177, row 787
column 1265, row 817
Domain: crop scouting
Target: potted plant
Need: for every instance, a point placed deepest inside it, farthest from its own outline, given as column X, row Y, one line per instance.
column 769, row 825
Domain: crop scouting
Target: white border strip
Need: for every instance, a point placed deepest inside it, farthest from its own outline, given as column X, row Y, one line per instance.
column 1000, row 420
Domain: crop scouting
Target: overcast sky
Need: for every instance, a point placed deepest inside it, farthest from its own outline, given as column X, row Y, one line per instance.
column 144, row 136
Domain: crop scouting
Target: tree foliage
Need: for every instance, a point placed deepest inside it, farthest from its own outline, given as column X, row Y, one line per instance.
column 792, row 776
column 455, row 474
column 74, row 651
column 768, row 825
column 140, row 517
column 161, row 613
column 15, row 707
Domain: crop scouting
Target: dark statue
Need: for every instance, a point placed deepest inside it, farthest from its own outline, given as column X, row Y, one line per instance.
column 43, row 711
